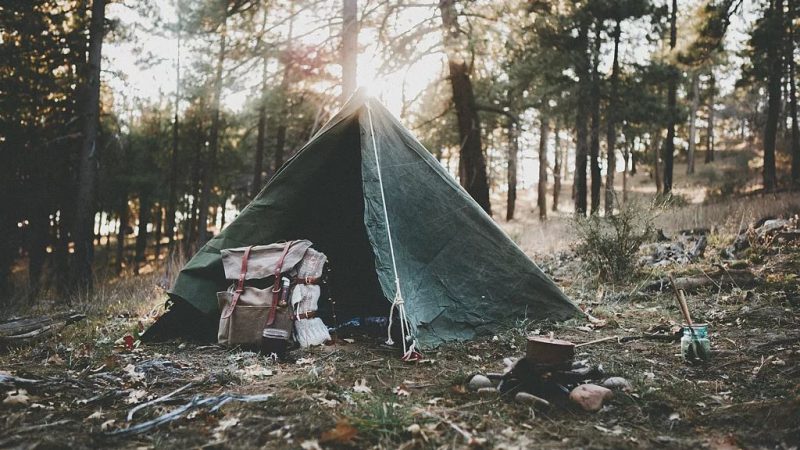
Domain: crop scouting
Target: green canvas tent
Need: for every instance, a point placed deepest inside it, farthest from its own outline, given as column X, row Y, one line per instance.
column 460, row 275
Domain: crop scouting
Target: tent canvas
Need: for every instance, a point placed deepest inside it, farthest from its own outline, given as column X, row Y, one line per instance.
column 460, row 274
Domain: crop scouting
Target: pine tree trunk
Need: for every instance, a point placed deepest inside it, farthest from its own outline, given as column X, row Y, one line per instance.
column 88, row 158
column 141, row 232
column 611, row 118
column 710, row 129
column 349, row 48
column 280, row 134
column 557, row 158
column 672, row 104
column 172, row 201
column 594, row 148
column 541, row 199
column 513, row 152
column 656, row 143
column 158, row 224
column 626, row 156
column 210, row 166
column 122, row 213
column 581, row 123
column 774, row 95
column 795, row 134
column 472, row 163
column 695, row 105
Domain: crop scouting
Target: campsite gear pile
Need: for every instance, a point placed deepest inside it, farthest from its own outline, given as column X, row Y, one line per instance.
column 548, row 374
column 686, row 247
column 273, row 298
column 405, row 236
column 764, row 233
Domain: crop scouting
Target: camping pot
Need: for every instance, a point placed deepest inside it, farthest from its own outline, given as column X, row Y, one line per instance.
column 695, row 345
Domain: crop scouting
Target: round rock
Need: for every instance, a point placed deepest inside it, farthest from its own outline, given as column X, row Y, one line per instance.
column 618, row 384
column 590, row 397
column 480, row 381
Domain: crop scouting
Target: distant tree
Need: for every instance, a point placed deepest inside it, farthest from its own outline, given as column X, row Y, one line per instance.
column 672, row 103
column 85, row 205
column 472, row 162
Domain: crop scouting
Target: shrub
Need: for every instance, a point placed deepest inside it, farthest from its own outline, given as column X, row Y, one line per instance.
column 609, row 245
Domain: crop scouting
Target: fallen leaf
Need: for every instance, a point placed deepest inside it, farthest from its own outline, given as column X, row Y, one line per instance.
column 402, row 391
column 224, row 425
column 95, row 415
column 17, row 398
column 105, row 426
column 254, row 371
column 361, row 387
column 434, row 400
column 54, row 360
column 128, row 342
column 310, row 444
column 305, row 361
column 343, row 433
column 130, row 372
column 135, row 396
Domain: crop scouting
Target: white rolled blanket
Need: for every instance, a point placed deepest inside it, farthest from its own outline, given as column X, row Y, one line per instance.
column 305, row 298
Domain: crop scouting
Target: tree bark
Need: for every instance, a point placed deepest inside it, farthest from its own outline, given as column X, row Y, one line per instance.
column 695, row 105
column 88, row 160
column 594, row 148
column 710, row 127
column 611, row 118
column 795, row 134
column 672, row 104
column 141, row 232
column 558, row 157
column 774, row 94
column 656, row 143
column 581, row 120
column 211, row 163
column 541, row 199
column 122, row 213
column 172, row 201
column 349, row 48
column 626, row 156
column 513, row 152
column 472, row 163
column 158, row 224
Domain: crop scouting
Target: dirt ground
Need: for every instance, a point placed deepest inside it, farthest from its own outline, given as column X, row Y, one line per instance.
column 75, row 388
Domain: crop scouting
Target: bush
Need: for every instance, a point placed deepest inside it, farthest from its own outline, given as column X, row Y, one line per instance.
column 609, row 245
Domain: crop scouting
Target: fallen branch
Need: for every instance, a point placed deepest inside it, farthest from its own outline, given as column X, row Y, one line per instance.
column 741, row 278
column 197, row 402
column 156, row 401
column 624, row 339
column 20, row 330
column 10, row 379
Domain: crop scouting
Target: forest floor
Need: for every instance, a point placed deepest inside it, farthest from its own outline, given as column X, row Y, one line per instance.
column 77, row 387
column 82, row 382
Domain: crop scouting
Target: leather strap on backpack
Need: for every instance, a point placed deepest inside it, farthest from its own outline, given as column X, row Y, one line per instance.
column 276, row 287
column 239, row 284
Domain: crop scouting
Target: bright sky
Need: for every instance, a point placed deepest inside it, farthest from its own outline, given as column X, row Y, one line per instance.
column 134, row 79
